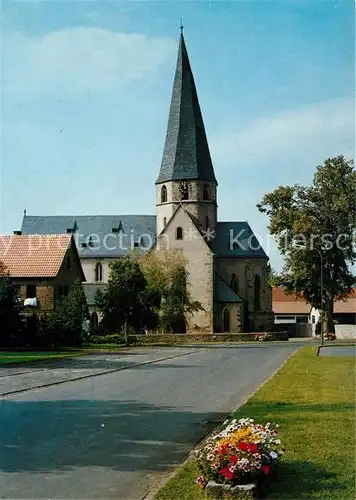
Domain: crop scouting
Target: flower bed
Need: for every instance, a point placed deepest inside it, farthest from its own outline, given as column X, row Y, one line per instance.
column 240, row 460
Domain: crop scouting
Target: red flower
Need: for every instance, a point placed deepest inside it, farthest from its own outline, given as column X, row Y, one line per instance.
column 265, row 469
column 233, row 459
column 242, row 446
column 252, row 448
column 226, row 473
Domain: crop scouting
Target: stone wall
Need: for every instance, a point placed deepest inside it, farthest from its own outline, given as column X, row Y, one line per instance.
column 345, row 331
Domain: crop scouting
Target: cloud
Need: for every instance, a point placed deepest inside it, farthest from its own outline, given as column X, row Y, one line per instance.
column 76, row 60
column 308, row 134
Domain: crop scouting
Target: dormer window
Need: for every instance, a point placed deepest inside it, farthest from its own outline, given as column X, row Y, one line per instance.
column 184, row 191
column 163, row 194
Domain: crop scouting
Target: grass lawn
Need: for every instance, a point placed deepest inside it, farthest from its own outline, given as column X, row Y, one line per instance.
column 27, row 356
column 312, row 398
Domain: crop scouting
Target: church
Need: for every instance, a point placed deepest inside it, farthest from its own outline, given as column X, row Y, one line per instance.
column 228, row 269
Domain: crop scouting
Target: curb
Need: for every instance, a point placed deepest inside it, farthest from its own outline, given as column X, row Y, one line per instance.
column 82, row 377
column 151, row 494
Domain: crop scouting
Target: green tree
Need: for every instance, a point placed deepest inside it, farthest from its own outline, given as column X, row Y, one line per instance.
column 314, row 227
column 65, row 325
column 9, row 309
column 167, row 278
column 127, row 304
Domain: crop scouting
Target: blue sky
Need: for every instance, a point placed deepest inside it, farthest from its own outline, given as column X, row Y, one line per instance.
column 86, row 89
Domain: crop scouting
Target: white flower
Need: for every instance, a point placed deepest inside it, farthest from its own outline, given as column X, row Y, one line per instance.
column 210, row 457
column 273, row 454
column 277, row 441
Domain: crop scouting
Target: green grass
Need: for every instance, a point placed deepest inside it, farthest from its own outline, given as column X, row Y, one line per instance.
column 7, row 357
column 312, row 398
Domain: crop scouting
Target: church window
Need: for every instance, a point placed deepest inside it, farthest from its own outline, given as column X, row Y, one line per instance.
column 226, row 320
column 184, row 191
column 179, row 233
column 98, row 272
column 234, row 283
column 207, row 223
column 163, row 194
column 257, row 290
column 164, row 221
column 205, row 192
column 94, row 320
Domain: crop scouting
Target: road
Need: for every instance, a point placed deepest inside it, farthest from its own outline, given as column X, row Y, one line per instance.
column 115, row 435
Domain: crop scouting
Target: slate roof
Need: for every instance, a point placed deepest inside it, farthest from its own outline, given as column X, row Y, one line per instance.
column 236, row 239
column 223, row 292
column 34, row 256
column 94, row 235
column 90, row 291
column 186, row 152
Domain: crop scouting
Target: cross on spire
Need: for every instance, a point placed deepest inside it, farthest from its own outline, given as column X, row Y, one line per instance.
column 181, row 26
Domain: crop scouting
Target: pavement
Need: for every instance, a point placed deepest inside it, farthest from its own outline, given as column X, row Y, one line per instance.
column 115, row 435
column 338, row 350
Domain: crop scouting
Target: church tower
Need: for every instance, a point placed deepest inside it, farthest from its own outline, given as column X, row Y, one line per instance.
column 187, row 175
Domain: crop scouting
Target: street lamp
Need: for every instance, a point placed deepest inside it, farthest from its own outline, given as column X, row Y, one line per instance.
column 321, row 296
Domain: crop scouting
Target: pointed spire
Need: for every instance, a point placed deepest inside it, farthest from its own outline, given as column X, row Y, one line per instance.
column 186, row 152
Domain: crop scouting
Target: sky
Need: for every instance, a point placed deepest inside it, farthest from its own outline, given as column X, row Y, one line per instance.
column 86, row 88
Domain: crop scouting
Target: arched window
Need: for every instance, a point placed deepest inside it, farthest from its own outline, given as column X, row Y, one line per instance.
column 98, row 272
column 257, row 290
column 207, row 223
column 206, row 192
column 179, row 233
column 94, row 320
column 184, row 191
column 226, row 320
column 163, row 194
column 164, row 221
column 234, row 283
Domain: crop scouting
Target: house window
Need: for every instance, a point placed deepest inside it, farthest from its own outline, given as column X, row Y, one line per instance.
column 257, row 294
column 164, row 221
column 179, row 233
column 184, row 191
column 226, row 320
column 98, row 272
column 302, row 319
column 207, row 223
column 206, row 192
column 31, row 291
column 234, row 283
column 163, row 194
column 68, row 263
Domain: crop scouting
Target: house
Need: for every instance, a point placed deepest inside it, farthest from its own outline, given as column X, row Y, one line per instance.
column 228, row 269
column 300, row 318
column 289, row 309
column 42, row 267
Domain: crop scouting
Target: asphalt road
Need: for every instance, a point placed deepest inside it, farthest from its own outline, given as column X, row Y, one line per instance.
column 117, row 434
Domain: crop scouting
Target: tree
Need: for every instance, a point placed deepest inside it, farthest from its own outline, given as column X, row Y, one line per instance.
column 315, row 228
column 65, row 325
column 9, row 311
column 127, row 302
column 167, row 277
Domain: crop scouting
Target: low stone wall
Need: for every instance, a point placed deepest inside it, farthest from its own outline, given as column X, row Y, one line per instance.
column 189, row 338
column 345, row 331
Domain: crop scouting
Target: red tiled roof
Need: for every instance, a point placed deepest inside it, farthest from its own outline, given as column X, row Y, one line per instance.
column 290, row 304
column 34, row 255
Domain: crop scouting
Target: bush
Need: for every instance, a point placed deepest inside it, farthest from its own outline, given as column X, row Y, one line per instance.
column 114, row 338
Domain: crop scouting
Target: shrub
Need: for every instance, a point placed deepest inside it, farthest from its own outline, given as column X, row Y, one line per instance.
column 114, row 338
